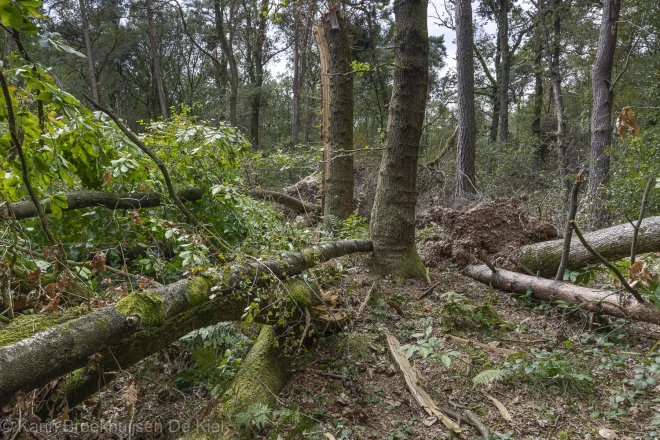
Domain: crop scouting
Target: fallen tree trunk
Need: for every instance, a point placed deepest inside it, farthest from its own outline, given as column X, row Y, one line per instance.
column 612, row 243
column 148, row 320
column 288, row 201
column 261, row 378
column 84, row 199
column 598, row 301
column 91, row 379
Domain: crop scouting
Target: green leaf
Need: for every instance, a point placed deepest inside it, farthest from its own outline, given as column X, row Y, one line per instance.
column 44, row 96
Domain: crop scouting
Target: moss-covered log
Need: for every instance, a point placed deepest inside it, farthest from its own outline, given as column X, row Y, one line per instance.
column 91, row 379
column 84, row 199
column 288, row 201
column 260, row 380
column 593, row 300
column 145, row 321
column 612, row 243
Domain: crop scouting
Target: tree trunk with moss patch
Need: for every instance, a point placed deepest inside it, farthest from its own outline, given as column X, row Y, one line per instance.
column 340, row 180
column 393, row 214
column 262, row 376
column 149, row 320
column 612, row 243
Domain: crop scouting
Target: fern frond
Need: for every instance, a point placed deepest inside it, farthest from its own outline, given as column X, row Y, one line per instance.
column 487, row 377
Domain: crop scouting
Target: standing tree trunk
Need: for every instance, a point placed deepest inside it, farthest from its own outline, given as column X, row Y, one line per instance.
column 601, row 114
column 88, row 49
column 228, row 52
column 324, row 58
column 552, row 51
column 503, row 37
column 257, row 71
column 467, row 136
column 339, row 191
column 495, row 121
column 295, row 122
column 538, row 98
column 308, row 84
column 158, row 77
column 393, row 214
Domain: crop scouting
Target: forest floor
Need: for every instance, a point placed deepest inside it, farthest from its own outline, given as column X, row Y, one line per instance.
column 574, row 375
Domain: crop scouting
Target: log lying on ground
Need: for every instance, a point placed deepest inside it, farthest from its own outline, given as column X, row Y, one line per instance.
column 145, row 321
column 84, row 199
column 262, row 376
column 612, row 243
column 598, row 301
column 288, row 201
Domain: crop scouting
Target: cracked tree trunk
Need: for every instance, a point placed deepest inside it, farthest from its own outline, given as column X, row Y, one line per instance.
column 340, row 179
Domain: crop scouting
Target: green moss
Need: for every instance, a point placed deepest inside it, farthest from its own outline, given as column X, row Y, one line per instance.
column 401, row 267
column 299, row 292
column 147, row 304
column 199, row 290
column 25, row 326
column 311, row 257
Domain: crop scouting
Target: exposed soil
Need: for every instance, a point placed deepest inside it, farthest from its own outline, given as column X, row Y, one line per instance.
column 496, row 227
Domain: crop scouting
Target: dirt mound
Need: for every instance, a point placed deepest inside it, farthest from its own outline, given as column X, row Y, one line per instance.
column 495, row 227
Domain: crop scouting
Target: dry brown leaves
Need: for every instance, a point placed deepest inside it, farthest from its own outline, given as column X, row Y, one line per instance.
column 128, row 395
column 98, row 262
column 626, row 120
column 329, row 311
column 639, row 273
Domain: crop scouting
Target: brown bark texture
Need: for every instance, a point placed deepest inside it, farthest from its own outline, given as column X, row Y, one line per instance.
column 601, row 113
column 467, row 134
column 340, row 179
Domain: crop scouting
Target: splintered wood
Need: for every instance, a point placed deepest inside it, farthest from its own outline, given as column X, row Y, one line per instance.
column 410, row 376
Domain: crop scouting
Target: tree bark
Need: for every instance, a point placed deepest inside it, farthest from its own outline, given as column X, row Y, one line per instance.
column 538, row 100
column 340, row 179
column 495, row 120
column 613, row 243
column 552, row 52
column 393, row 214
column 288, row 201
column 228, row 52
column 257, row 70
column 261, row 378
column 324, row 59
column 598, row 301
column 467, row 134
column 158, row 77
column 143, row 322
column 83, row 199
column 601, row 114
column 88, row 49
column 503, row 36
